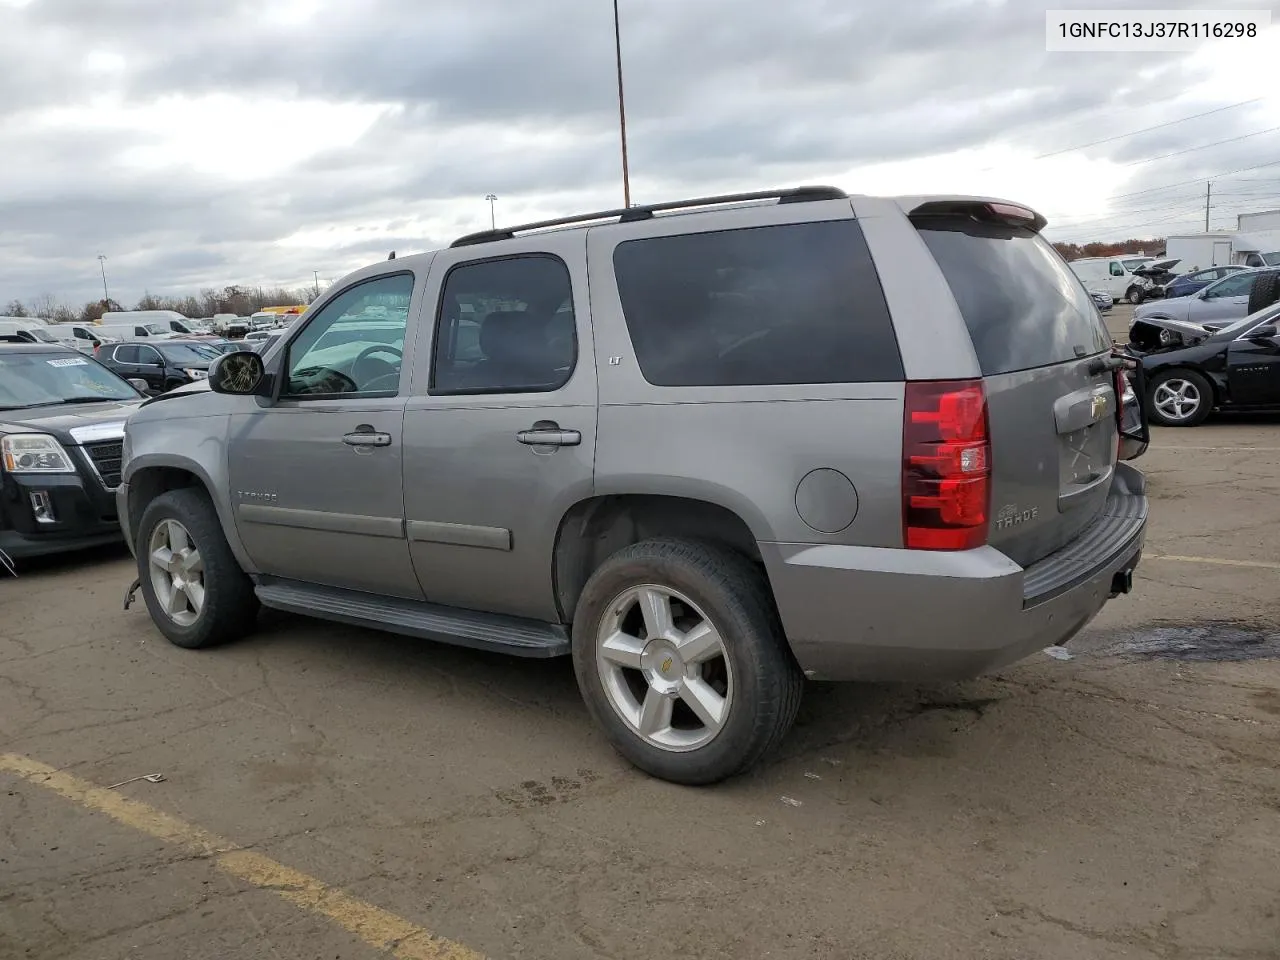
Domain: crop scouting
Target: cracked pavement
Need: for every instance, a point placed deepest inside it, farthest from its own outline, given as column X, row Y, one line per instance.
column 1112, row 805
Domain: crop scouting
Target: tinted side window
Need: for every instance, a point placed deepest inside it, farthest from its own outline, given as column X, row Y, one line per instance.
column 1237, row 285
column 792, row 304
column 125, row 354
column 1024, row 308
column 149, row 355
column 505, row 326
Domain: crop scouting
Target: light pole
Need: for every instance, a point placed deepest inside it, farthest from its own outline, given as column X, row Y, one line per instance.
column 622, row 107
column 106, row 297
column 493, row 220
column 316, row 273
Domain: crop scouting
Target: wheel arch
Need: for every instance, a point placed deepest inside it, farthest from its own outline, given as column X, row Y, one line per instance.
column 596, row 527
column 151, row 475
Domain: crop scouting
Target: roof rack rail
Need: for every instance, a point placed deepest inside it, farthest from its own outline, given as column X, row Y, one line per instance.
column 646, row 212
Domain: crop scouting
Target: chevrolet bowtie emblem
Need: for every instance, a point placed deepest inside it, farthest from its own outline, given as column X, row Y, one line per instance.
column 666, row 665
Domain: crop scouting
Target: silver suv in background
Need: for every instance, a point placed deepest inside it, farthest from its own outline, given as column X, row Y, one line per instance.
column 706, row 449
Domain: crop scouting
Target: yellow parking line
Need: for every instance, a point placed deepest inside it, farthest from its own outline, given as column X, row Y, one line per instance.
column 373, row 925
column 1260, row 564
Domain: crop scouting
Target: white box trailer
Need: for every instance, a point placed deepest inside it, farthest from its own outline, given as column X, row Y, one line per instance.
column 1260, row 221
column 1220, row 248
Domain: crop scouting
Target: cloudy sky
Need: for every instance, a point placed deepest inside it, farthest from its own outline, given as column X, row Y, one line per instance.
column 204, row 142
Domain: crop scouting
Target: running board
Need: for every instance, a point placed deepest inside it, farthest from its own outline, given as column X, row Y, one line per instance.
column 415, row 618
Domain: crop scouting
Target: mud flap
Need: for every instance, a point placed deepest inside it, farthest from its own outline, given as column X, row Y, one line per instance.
column 129, row 596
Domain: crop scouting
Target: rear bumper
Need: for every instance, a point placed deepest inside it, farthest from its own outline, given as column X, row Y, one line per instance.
column 866, row 613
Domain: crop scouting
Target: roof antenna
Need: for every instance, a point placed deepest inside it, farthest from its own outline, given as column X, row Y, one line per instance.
column 393, row 255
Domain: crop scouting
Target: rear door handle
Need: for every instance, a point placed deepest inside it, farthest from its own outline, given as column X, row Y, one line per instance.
column 541, row 435
column 367, row 438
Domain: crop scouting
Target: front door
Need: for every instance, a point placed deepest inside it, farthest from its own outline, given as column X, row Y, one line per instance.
column 500, row 431
column 1228, row 299
column 150, row 366
column 316, row 474
column 1253, row 370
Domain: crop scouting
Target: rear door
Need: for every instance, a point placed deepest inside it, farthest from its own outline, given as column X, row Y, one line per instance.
column 1042, row 349
column 1253, row 369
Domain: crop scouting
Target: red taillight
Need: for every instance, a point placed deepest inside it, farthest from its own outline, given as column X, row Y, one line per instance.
column 946, row 465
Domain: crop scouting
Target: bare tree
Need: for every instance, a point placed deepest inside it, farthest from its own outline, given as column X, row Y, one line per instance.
column 45, row 305
column 15, row 308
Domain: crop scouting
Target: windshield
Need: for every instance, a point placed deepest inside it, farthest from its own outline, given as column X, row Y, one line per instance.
column 1132, row 265
column 181, row 353
column 43, row 336
column 42, row 379
column 1272, row 259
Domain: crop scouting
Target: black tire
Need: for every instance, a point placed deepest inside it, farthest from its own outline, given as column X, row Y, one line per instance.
column 736, row 597
column 230, row 605
column 1134, row 295
column 1199, row 381
column 1265, row 292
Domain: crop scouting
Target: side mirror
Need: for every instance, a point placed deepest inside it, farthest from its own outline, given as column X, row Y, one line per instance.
column 241, row 373
column 139, row 384
column 1267, row 331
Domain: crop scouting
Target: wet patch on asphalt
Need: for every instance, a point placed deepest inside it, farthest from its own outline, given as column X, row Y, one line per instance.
column 1204, row 641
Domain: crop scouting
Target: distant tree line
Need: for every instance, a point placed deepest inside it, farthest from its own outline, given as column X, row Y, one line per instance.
column 1074, row 251
column 241, row 301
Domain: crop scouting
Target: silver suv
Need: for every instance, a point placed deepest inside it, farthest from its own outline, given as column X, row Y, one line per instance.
column 706, row 449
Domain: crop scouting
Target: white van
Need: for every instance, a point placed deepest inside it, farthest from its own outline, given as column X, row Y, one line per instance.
column 142, row 328
column 85, row 337
column 173, row 321
column 26, row 330
column 1113, row 275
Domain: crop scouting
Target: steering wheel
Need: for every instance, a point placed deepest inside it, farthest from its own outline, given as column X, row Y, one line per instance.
column 370, row 351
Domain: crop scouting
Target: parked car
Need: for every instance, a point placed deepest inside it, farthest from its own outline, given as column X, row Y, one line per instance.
column 1102, row 300
column 1159, row 273
column 1235, row 368
column 784, row 434
column 1213, row 307
column 1189, row 283
column 162, row 364
column 61, row 427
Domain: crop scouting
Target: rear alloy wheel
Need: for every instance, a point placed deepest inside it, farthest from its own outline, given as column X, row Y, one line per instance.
column 680, row 659
column 1134, row 295
column 1180, row 398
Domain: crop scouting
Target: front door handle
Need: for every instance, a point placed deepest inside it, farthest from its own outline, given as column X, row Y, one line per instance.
column 544, row 433
column 367, row 437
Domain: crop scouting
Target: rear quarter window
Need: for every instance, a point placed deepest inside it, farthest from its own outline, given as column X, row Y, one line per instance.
column 1022, row 304
column 790, row 304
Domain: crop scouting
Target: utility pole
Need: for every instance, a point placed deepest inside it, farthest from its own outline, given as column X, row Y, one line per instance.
column 316, row 274
column 622, row 107
column 106, row 297
column 1208, row 192
column 493, row 220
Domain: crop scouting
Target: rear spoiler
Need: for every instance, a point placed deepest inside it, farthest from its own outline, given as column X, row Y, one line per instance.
column 991, row 211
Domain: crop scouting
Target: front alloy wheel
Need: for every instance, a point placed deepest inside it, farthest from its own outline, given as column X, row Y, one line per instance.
column 663, row 667
column 1177, row 399
column 177, row 572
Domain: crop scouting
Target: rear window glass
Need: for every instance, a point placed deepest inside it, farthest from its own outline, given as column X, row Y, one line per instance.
column 799, row 303
column 1024, row 308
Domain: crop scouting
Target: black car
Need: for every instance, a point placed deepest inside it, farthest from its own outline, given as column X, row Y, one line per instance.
column 61, row 440
column 1198, row 370
column 163, row 364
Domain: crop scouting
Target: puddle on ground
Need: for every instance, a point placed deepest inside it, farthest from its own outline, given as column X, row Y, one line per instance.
column 1205, row 641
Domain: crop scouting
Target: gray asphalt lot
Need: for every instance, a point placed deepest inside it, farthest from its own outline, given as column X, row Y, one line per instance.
column 1124, row 803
